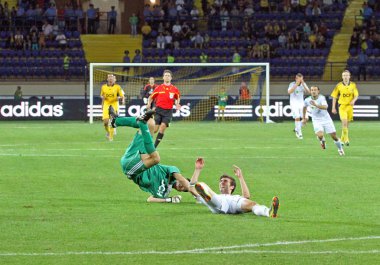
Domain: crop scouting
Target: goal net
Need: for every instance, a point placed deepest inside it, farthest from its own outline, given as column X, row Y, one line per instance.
column 199, row 85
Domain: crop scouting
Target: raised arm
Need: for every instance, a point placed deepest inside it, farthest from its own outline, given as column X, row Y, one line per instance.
column 305, row 87
column 243, row 185
column 199, row 164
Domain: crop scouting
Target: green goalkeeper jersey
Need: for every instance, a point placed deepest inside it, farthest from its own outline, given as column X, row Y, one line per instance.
column 222, row 99
column 157, row 180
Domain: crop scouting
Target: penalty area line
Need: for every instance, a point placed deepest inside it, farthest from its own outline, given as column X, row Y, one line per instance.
column 222, row 249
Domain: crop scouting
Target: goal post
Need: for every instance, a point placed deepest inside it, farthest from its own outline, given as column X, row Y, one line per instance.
column 199, row 85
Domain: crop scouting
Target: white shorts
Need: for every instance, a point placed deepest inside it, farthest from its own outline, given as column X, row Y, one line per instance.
column 227, row 204
column 324, row 126
column 297, row 111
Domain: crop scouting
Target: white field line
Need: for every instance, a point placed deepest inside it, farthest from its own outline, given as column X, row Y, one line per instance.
column 188, row 156
column 165, row 148
column 221, row 249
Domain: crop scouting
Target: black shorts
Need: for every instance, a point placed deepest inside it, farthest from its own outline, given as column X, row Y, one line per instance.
column 163, row 116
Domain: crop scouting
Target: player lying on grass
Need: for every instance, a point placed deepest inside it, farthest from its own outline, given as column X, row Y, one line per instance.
column 322, row 121
column 140, row 161
column 226, row 203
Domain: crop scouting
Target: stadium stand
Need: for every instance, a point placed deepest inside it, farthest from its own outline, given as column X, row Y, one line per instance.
column 364, row 46
column 29, row 46
column 308, row 33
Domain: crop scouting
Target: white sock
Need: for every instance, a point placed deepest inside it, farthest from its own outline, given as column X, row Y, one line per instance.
column 260, row 210
column 299, row 127
column 338, row 144
column 296, row 126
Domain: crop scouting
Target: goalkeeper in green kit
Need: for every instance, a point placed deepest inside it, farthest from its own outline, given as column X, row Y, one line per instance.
column 140, row 161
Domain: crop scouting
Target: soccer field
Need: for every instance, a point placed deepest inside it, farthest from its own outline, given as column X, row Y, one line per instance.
column 64, row 199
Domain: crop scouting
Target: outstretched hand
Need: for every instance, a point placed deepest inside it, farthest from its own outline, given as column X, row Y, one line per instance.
column 199, row 163
column 237, row 171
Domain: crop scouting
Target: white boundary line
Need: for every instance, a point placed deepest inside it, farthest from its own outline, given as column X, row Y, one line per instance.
column 222, row 249
column 183, row 156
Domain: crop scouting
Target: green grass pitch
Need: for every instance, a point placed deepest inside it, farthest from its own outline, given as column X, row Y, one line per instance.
column 64, row 199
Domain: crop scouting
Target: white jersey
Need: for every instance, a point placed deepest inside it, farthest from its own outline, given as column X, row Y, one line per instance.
column 318, row 115
column 225, row 203
column 296, row 98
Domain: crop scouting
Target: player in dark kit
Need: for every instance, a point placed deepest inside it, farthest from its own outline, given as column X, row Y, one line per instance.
column 148, row 90
column 165, row 96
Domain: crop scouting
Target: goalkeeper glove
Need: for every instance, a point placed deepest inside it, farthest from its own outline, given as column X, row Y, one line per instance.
column 174, row 199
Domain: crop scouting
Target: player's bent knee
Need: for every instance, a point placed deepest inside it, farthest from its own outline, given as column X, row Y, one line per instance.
column 155, row 157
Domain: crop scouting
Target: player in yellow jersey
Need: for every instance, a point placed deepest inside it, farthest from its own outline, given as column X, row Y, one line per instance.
column 347, row 93
column 110, row 94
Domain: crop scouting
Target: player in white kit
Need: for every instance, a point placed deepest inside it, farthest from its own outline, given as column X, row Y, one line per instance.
column 322, row 121
column 226, row 203
column 296, row 90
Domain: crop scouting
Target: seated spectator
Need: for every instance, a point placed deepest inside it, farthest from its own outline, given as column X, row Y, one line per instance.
column 246, row 29
column 147, row 13
column 41, row 40
column 206, row 41
column 47, row 29
column 158, row 13
column 371, row 26
column 50, row 13
column 255, row 51
column 290, row 41
column 194, row 13
column 146, row 29
column 19, row 40
column 161, row 28
column 322, row 29
column 172, row 13
column 265, row 49
column 295, row 5
column 297, row 39
column 176, row 29
column 235, row 18
column 305, row 43
column 160, row 41
column 264, row 5
column 320, row 41
column 224, row 18
column 248, row 11
column 307, row 29
column 287, row 8
column 34, row 41
column 34, row 28
column 61, row 38
column 366, row 12
column 276, row 29
column 354, row 43
column 313, row 40
column 269, row 30
column 183, row 15
column 303, row 5
column 11, row 41
column 316, row 11
column 197, row 40
column 27, row 43
column 282, row 40
column 185, row 32
column 168, row 40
